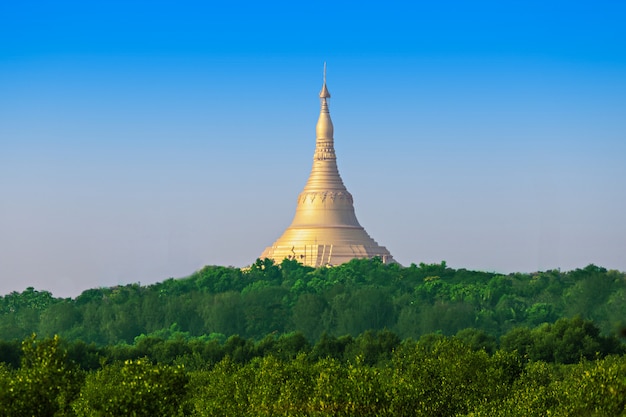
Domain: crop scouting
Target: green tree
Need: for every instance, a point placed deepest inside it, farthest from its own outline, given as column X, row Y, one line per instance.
column 446, row 378
column 59, row 318
column 534, row 394
column 45, row 383
column 566, row 341
column 595, row 388
column 373, row 347
column 363, row 309
column 134, row 388
column 478, row 339
column 307, row 313
column 224, row 313
column 265, row 310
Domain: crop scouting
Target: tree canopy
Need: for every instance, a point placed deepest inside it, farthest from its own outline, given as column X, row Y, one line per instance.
column 348, row 299
column 363, row 338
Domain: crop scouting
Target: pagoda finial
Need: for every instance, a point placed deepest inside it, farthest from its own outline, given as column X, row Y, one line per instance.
column 324, row 93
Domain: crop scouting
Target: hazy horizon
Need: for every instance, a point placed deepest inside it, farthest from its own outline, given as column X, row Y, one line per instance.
column 143, row 141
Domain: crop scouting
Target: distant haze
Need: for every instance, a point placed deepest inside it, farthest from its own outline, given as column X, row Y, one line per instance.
column 141, row 141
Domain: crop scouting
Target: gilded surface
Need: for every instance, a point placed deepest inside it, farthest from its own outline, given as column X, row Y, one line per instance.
column 325, row 230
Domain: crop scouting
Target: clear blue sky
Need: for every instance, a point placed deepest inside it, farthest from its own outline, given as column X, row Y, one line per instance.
column 142, row 140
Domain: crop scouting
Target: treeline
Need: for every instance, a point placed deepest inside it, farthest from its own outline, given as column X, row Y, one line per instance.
column 267, row 298
column 373, row 374
column 565, row 342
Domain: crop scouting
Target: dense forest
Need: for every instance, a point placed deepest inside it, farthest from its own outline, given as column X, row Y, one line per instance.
column 363, row 338
column 374, row 374
column 218, row 302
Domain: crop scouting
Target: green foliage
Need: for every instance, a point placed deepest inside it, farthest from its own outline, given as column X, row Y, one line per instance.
column 45, row 383
column 10, row 353
column 595, row 388
column 445, row 379
column 566, row 341
column 134, row 388
column 349, row 299
column 341, row 390
column 532, row 394
column 331, row 347
column 308, row 315
column 222, row 391
column 478, row 339
column 372, row 348
column 373, row 374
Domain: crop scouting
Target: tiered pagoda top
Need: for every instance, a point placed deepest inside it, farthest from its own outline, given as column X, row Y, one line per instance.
column 325, row 230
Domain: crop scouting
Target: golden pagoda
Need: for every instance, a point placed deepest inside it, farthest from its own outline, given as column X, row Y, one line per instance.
column 325, row 230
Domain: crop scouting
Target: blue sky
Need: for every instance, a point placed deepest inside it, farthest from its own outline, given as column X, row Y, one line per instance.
column 143, row 140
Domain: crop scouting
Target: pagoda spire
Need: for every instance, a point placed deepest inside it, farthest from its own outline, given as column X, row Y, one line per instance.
column 324, row 174
column 324, row 93
column 325, row 230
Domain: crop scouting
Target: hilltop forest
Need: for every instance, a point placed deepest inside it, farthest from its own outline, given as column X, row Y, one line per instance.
column 363, row 338
column 361, row 295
